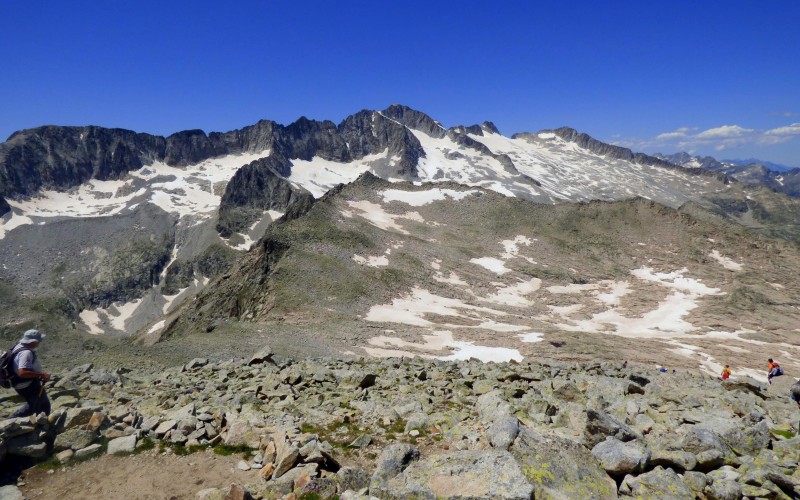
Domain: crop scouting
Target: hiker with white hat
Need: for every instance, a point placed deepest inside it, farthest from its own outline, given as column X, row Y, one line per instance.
column 30, row 378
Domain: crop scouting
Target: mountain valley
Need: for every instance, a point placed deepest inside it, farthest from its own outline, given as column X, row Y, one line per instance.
column 390, row 235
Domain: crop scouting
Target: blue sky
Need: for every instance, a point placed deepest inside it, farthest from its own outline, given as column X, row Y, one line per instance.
column 716, row 78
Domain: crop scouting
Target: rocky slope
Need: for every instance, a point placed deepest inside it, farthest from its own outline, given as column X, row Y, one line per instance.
column 106, row 251
column 415, row 428
column 384, row 268
column 785, row 181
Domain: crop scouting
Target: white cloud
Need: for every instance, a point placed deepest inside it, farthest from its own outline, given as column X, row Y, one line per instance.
column 718, row 138
column 677, row 134
column 666, row 136
column 793, row 129
column 724, row 132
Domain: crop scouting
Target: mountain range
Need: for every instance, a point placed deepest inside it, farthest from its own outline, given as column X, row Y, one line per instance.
column 754, row 172
column 389, row 234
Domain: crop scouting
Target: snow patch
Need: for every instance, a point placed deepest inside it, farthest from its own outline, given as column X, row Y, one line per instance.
column 495, row 265
column 420, row 198
column 726, row 262
column 439, row 341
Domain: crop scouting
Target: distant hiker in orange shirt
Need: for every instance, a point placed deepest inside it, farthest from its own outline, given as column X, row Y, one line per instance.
column 726, row 372
column 773, row 370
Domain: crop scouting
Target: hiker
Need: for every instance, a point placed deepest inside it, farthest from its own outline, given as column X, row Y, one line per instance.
column 29, row 380
column 773, row 370
column 726, row 372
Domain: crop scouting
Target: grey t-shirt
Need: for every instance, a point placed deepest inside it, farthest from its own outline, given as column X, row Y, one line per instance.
column 24, row 358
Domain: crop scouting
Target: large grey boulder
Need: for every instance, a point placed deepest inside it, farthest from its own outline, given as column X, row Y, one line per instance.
column 74, row 439
column 559, row 468
column 460, row 474
column 599, row 425
column 78, row 416
column 26, row 445
column 11, row 427
column 709, row 448
column 677, row 459
column 660, row 483
column 723, row 489
column 352, row 478
column 263, row 355
column 495, row 411
column 503, row 431
column 618, row 458
column 492, row 406
column 391, row 462
column 125, row 444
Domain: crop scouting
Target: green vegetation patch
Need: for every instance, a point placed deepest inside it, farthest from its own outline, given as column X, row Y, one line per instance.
column 226, row 450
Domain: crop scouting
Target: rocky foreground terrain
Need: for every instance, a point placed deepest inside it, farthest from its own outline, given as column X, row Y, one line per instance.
column 419, row 428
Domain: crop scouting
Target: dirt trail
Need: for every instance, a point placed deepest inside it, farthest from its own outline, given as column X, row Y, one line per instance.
column 148, row 476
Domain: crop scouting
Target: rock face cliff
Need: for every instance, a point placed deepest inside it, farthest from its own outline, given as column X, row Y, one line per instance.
column 56, row 157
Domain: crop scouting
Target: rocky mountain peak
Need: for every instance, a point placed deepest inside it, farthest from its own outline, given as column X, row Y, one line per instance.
column 490, row 127
column 414, row 119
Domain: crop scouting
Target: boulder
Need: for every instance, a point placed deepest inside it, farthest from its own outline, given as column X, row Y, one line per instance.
column 676, row 459
column 460, row 474
column 74, row 439
column 286, row 456
column 709, row 448
column 658, row 483
column 696, row 481
column 746, row 385
column 352, row 478
column 559, row 468
column 503, row 431
column 263, row 355
column 78, row 416
column 88, row 451
column 492, row 406
column 391, row 462
column 11, row 427
column 723, row 489
column 122, row 444
column 241, row 432
column 196, row 363
column 599, row 425
column 618, row 458
column 26, row 445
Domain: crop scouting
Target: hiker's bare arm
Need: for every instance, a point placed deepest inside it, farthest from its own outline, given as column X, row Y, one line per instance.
column 25, row 373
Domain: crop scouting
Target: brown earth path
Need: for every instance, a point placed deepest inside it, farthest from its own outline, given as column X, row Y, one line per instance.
column 149, row 475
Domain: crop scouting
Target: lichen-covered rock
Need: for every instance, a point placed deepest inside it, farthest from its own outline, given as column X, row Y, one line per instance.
column 618, row 458
column 352, row 478
column 558, row 468
column 74, row 439
column 723, row 489
column 599, row 425
column 460, row 474
column 677, row 459
column 391, row 462
column 696, row 481
column 658, row 484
